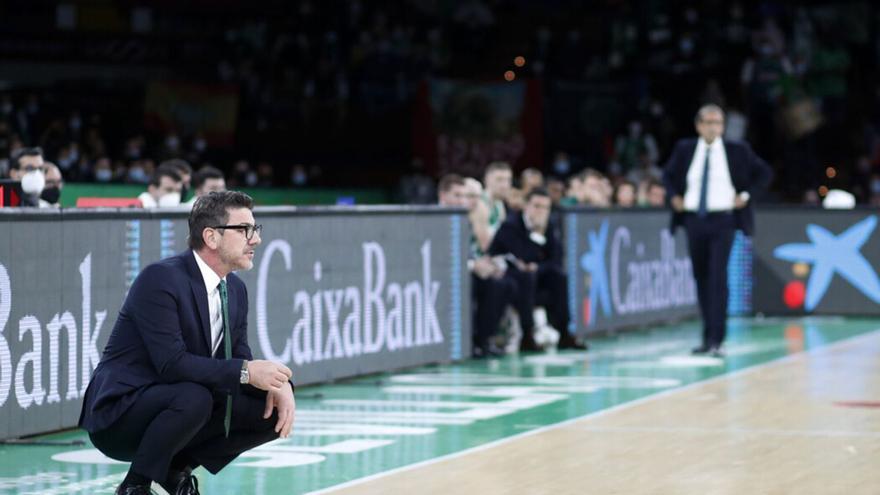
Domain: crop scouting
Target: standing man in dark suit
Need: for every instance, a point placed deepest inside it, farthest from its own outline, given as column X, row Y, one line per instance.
column 177, row 386
column 531, row 244
column 709, row 182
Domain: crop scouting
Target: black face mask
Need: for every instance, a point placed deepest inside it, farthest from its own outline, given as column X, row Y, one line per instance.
column 51, row 195
column 183, row 192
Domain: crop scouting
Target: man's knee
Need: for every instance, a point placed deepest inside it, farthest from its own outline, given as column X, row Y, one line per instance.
column 195, row 402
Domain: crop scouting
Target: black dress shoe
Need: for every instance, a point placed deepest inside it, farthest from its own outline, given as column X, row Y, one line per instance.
column 181, row 483
column 703, row 349
column 566, row 341
column 124, row 489
column 487, row 350
column 528, row 344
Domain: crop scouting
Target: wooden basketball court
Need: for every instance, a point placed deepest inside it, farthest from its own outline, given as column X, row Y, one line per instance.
column 793, row 409
column 786, row 426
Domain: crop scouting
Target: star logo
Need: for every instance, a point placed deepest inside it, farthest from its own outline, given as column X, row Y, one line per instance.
column 593, row 262
column 830, row 254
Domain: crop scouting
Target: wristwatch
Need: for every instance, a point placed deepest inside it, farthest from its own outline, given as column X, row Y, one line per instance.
column 244, row 378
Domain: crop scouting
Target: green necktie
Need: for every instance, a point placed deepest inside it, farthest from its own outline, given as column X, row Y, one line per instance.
column 702, row 209
column 227, row 345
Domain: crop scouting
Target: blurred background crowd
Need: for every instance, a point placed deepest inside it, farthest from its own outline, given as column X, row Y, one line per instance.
column 589, row 96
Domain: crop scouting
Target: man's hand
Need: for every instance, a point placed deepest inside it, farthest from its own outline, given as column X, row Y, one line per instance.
column 740, row 202
column 268, row 376
column 283, row 400
column 484, row 267
column 677, row 203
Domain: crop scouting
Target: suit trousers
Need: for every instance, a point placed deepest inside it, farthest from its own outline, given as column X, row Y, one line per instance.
column 710, row 240
column 547, row 287
column 492, row 297
column 181, row 424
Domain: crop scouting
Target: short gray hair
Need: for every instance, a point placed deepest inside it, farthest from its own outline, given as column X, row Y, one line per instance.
column 710, row 108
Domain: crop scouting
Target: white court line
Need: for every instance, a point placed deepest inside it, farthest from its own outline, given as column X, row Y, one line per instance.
column 735, row 431
column 626, row 405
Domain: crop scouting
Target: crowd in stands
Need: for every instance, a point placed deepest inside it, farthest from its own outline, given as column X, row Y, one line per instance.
column 325, row 78
column 516, row 254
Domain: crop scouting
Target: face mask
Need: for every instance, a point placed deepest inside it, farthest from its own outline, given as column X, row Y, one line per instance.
column 172, row 142
column 251, row 179
column 75, row 123
column 875, row 186
column 137, row 174
column 103, row 175
column 200, row 145
column 561, row 167
column 51, row 195
column 33, row 182
column 169, row 200
column 298, row 178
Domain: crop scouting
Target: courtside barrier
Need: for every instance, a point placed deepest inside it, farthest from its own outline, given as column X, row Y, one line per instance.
column 334, row 292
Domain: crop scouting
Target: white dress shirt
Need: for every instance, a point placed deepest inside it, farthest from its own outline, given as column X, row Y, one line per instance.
column 215, row 312
column 721, row 194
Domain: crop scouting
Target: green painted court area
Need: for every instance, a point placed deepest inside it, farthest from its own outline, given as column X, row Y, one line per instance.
column 358, row 428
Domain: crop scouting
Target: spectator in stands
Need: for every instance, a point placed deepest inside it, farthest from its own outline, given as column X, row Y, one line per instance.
column 184, row 170
column 28, row 167
column 102, row 171
column 561, row 164
column 630, row 147
column 206, row 180
column 492, row 291
column 516, row 199
column 498, row 180
column 163, row 189
column 534, row 252
column 243, row 175
column 589, row 188
column 51, row 195
column 556, row 189
column 625, row 194
column 451, row 191
column 656, row 194
column 529, row 179
column 416, row 188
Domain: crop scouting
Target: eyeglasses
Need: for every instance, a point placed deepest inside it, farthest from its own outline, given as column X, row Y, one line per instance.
column 249, row 230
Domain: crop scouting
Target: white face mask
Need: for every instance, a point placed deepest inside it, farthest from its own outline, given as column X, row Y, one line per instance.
column 33, row 182
column 169, row 200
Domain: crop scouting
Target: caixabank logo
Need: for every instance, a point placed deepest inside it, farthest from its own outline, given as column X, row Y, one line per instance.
column 815, row 264
column 630, row 271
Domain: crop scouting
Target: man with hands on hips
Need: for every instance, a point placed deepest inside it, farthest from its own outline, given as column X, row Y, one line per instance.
column 177, row 386
column 710, row 183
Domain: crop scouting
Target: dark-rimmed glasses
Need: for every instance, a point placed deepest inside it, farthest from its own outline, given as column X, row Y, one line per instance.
column 249, row 230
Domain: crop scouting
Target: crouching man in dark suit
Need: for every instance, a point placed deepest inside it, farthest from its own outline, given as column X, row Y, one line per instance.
column 532, row 246
column 177, row 386
column 710, row 183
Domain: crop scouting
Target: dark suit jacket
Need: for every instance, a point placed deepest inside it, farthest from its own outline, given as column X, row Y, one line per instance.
column 163, row 335
column 513, row 237
column 748, row 172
